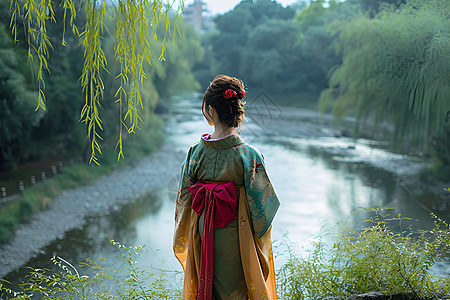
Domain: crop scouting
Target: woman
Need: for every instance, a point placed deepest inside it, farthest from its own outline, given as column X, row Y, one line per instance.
column 225, row 207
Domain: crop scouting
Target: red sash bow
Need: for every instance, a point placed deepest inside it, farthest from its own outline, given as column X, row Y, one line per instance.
column 219, row 203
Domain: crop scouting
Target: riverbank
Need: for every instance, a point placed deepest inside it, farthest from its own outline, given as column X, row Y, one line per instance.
column 72, row 207
column 109, row 193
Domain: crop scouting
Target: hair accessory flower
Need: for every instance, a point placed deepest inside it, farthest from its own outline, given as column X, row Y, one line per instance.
column 230, row 93
column 242, row 94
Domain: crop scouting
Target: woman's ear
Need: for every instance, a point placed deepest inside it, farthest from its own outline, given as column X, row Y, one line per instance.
column 210, row 111
column 209, row 114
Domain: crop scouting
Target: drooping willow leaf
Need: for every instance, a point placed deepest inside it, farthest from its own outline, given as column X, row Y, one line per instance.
column 135, row 20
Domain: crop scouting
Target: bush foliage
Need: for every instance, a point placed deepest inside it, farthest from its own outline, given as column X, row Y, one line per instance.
column 373, row 259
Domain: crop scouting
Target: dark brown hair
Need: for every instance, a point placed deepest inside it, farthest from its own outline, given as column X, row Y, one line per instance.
column 230, row 110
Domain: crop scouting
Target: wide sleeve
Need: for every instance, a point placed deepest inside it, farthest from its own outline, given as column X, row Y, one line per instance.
column 183, row 210
column 262, row 199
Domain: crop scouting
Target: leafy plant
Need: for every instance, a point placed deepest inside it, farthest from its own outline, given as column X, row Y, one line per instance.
column 126, row 282
column 371, row 259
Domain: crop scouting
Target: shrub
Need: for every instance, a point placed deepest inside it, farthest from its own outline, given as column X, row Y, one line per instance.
column 374, row 259
column 7, row 222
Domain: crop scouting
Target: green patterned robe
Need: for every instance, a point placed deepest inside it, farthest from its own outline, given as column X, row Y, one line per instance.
column 223, row 160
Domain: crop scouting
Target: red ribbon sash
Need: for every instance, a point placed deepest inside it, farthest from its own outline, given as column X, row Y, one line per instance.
column 219, row 203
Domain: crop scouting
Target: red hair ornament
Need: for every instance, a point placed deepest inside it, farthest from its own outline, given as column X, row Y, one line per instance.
column 230, row 93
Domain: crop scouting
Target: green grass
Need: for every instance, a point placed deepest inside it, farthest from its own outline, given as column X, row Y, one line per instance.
column 40, row 196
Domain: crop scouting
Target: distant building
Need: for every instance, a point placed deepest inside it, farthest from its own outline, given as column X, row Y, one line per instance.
column 198, row 15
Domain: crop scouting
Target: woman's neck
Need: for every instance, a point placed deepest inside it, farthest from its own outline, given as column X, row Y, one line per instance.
column 221, row 131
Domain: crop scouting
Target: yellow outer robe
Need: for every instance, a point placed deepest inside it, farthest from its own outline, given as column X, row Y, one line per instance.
column 243, row 260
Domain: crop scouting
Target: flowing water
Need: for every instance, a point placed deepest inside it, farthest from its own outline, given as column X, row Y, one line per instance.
column 319, row 178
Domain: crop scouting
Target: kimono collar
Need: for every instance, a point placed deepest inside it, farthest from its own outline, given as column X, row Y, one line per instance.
column 229, row 141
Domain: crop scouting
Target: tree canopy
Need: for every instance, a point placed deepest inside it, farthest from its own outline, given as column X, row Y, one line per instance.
column 17, row 105
column 268, row 47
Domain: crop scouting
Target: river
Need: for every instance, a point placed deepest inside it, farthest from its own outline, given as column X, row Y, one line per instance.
column 320, row 176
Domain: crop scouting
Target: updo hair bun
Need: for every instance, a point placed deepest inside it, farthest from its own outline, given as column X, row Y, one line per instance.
column 226, row 95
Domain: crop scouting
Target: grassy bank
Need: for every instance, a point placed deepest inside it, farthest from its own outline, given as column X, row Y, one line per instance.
column 371, row 259
column 40, row 196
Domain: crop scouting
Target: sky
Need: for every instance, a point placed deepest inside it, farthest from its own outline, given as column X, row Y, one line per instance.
column 222, row 6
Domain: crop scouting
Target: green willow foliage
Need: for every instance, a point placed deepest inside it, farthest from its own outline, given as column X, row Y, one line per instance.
column 133, row 22
column 396, row 70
